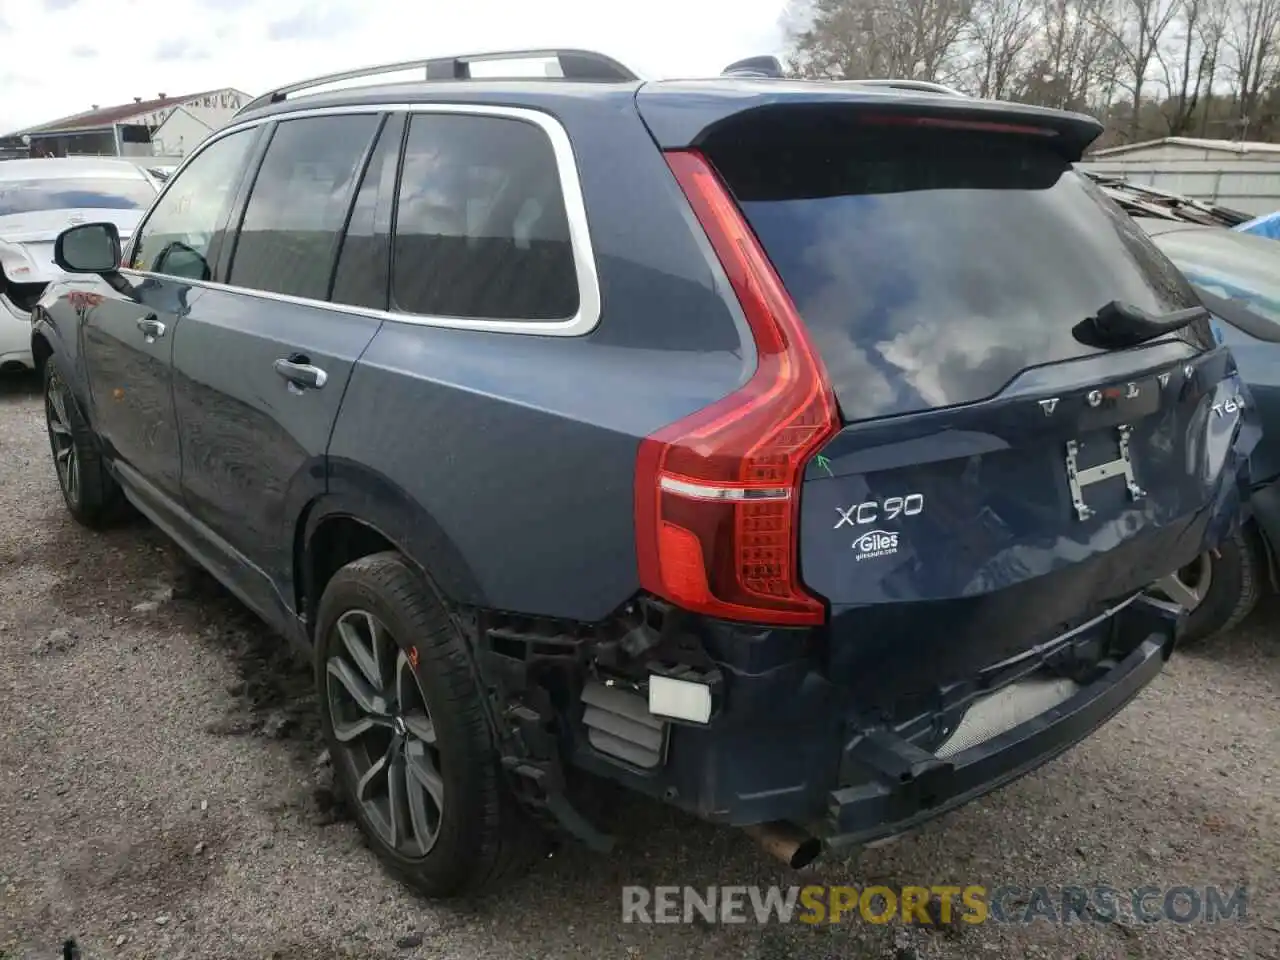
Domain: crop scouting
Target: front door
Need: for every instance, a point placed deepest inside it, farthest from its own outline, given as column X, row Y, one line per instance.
column 127, row 342
column 261, row 365
column 129, row 323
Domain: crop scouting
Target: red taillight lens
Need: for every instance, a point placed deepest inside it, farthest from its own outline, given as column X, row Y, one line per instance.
column 717, row 494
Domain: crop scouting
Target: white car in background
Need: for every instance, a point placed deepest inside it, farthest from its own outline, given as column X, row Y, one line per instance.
column 38, row 200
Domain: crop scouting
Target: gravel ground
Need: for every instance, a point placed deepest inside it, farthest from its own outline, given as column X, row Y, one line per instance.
column 163, row 794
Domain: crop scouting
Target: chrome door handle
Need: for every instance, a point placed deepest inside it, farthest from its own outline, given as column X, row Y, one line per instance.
column 300, row 373
column 151, row 328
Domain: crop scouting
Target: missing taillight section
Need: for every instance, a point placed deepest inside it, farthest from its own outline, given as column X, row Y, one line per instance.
column 717, row 505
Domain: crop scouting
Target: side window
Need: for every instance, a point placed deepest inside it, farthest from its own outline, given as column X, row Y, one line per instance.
column 177, row 236
column 364, row 260
column 299, row 203
column 480, row 229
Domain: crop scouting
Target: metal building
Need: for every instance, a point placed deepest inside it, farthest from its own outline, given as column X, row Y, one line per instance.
column 132, row 129
column 1243, row 175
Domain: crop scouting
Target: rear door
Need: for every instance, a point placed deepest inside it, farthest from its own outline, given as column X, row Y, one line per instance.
column 262, row 361
column 998, row 478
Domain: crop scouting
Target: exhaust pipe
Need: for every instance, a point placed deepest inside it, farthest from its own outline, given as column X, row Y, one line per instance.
column 787, row 842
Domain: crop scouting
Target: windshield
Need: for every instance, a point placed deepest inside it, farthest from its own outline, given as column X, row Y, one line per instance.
column 1232, row 265
column 68, row 193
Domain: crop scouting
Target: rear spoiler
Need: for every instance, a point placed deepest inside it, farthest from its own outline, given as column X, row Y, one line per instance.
column 685, row 113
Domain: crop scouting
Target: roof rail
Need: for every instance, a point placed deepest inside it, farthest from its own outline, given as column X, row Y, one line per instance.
column 921, row 86
column 574, row 65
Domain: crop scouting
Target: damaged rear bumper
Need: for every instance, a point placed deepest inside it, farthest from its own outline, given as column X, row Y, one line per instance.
column 907, row 785
column 791, row 749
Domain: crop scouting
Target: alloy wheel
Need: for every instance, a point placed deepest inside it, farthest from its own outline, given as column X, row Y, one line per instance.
column 385, row 733
column 65, row 458
column 1189, row 585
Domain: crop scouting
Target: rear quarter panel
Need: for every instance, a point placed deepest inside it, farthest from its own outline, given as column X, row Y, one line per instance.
column 1259, row 365
column 519, row 450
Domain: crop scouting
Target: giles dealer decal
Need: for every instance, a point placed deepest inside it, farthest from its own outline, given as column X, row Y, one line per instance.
column 875, row 543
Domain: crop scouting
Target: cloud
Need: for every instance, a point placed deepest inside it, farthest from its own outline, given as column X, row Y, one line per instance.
column 254, row 47
column 82, row 51
column 312, row 23
column 55, row 6
column 180, row 48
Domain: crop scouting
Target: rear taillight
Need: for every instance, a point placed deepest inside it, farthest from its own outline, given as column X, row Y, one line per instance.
column 717, row 494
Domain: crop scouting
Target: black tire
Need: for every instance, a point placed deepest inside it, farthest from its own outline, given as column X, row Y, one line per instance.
column 1234, row 573
column 92, row 496
column 482, row 837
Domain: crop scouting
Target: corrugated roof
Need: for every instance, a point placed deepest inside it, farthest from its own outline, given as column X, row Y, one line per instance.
column 1226, row 146
column 107, row 116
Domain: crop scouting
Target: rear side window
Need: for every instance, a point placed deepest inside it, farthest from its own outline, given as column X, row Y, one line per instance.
column 481, row 230
column 298, row 205
column 364, row 258
column 933, row 265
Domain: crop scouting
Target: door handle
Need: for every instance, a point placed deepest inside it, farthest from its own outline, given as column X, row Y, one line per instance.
column 151, row 328
column 300, row 373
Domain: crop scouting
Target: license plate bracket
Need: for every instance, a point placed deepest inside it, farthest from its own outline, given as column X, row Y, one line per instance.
column 1122, row 466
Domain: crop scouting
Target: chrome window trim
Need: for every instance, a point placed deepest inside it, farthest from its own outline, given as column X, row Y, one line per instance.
column 584, row 321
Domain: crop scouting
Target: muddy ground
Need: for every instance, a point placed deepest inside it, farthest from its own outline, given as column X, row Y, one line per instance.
column 163, row 794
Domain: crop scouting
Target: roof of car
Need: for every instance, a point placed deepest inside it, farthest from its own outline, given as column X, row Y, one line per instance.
column 521, row 89
column 671, row 118
column 53, row 168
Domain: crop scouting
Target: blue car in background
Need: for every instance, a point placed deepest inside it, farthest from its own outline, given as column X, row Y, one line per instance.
column 1265, row 226
column 1237, row 276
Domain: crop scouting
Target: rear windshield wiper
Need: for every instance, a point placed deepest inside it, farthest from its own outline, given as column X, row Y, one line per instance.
column 1119, row 324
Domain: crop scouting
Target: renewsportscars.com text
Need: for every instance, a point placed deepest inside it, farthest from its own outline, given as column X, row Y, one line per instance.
column 932, row 905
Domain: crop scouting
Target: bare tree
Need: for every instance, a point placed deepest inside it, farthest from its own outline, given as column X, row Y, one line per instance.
column 1074, row 65
column 1181, row 62
column 1253, row 34
column 1001, row 32
column 1146, row 68
column 1137, row 27
column 880, row 38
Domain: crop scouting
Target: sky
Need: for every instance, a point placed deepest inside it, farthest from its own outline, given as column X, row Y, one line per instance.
column 59, row 57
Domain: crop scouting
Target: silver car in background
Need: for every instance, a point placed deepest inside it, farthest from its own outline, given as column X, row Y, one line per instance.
column 38, row 200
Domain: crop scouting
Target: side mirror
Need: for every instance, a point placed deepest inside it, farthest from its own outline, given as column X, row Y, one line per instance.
column 88, row 248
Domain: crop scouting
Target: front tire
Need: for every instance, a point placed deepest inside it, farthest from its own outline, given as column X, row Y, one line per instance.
column 92, row 496
column 412, row 752
column 1219, row 589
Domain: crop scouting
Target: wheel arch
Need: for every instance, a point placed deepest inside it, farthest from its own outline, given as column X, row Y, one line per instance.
column 49, row 344
column 362, row 513
column 41, row 350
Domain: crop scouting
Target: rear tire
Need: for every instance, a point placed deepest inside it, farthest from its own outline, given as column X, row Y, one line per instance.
column 458, row 829
column 1225, row 585
column 92, row 496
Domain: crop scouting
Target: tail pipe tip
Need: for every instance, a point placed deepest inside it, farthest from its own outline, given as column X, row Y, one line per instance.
column 793, row 846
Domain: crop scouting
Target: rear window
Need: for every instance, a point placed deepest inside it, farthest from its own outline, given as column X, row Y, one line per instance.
column 67, row 193
column 932, row 266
